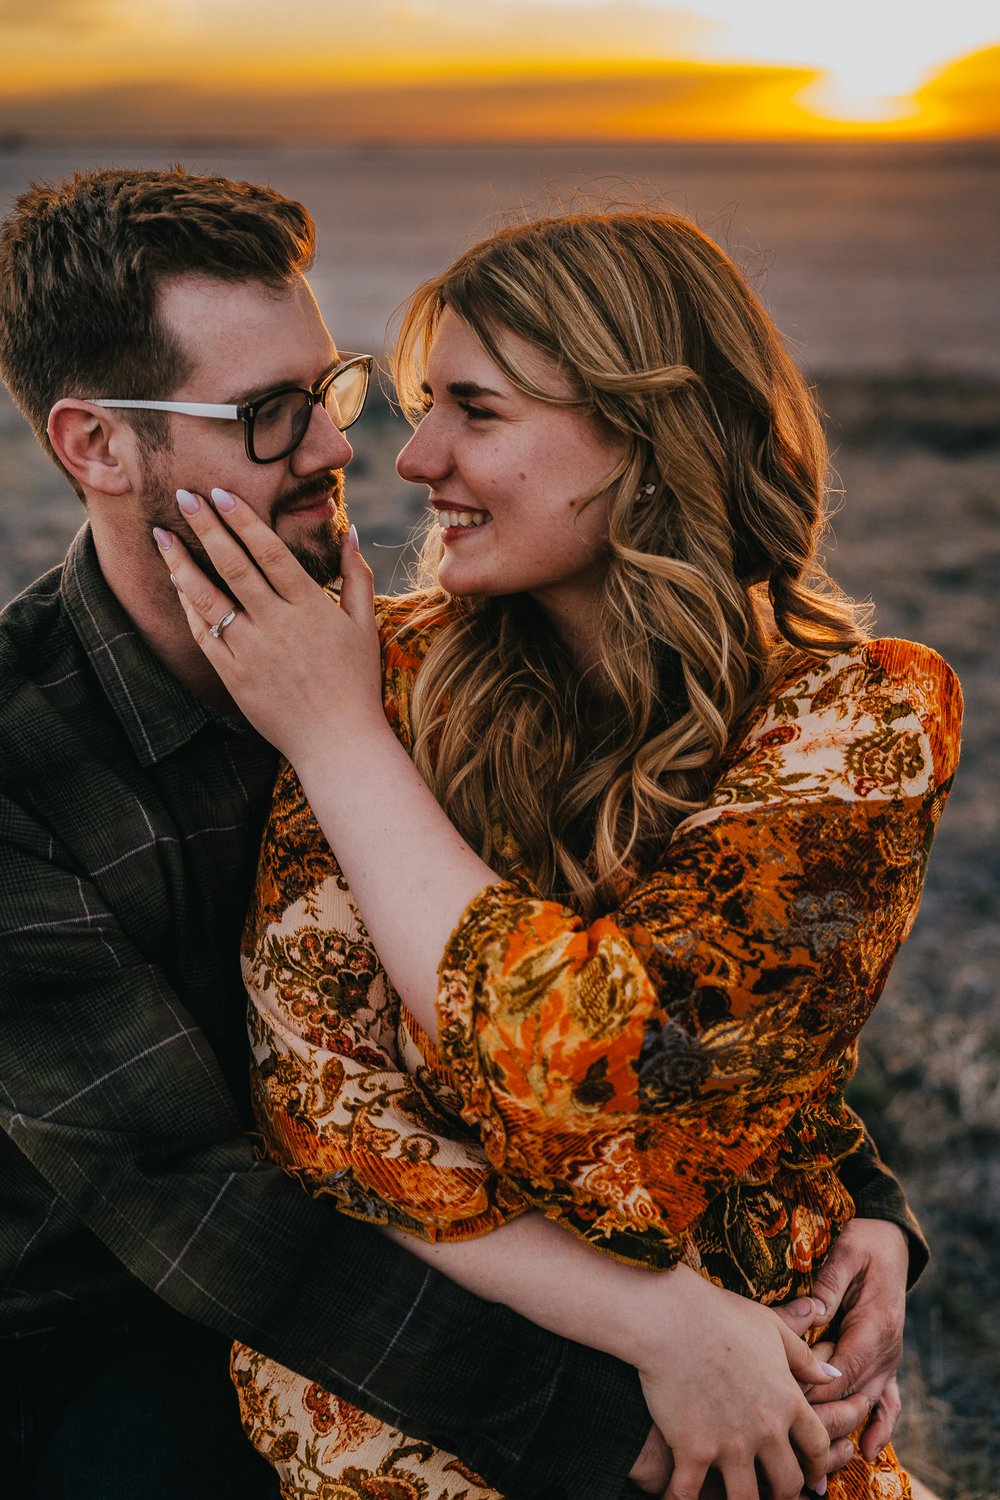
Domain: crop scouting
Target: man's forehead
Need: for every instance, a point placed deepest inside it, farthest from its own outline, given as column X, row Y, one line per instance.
column 247, row 333
column 200, row 286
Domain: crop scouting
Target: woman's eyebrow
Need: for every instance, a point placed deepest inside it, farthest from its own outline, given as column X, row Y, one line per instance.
column 465, row 390
column 470, row 389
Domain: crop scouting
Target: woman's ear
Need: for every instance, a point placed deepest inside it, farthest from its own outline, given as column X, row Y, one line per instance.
column 88, row 441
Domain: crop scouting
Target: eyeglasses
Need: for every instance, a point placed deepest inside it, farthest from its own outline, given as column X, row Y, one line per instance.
column 275, row 424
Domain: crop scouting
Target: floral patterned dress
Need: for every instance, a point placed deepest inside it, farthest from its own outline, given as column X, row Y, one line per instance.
column 667, row 1082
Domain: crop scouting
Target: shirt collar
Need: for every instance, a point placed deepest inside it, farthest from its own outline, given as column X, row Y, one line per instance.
column 157, row 712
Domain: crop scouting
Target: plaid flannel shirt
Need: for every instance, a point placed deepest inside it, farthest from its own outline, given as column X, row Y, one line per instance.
column 129, row 821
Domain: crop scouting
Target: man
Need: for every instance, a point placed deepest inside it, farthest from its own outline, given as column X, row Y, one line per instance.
column 139, row 1232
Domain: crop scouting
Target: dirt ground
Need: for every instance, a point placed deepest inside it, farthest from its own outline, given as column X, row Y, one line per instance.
column 917, row 531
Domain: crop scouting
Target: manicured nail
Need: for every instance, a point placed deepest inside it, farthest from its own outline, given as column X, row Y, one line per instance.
column 352, row 537
column 164, row 539
column 223, row 500
column 820, row 1487
column 830, row 1370
column 188, row 503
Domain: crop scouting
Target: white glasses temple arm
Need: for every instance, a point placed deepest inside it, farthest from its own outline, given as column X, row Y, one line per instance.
column 189, row 408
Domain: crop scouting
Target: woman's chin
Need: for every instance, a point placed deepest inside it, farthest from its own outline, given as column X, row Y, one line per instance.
column 460, row 581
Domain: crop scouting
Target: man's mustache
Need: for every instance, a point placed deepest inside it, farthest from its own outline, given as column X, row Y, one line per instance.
column 313, row 488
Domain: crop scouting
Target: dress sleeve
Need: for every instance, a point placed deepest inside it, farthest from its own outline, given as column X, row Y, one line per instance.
column 623, row 1074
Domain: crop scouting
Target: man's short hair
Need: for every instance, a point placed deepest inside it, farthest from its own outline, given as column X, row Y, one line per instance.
column 80, row 264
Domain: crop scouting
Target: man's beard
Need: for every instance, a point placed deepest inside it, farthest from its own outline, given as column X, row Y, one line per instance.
column 317, row 550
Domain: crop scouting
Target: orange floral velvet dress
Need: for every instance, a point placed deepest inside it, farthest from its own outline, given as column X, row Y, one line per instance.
column 667, row 1081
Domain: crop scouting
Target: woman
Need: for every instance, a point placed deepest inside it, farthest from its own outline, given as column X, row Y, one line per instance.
column 692, row 806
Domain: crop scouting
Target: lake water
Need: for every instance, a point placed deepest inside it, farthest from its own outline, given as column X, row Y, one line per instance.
column 870, row 257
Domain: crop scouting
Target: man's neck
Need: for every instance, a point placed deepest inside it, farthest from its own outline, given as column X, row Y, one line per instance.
column 141, row 584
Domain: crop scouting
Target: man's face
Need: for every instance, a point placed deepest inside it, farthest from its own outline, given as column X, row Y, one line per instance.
column 244, row 339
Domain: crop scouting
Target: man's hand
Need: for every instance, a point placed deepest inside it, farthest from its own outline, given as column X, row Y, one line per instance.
column 861, row 1293
column 652, row 1469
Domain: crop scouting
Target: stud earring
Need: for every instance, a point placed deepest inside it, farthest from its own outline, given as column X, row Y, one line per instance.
column 646, row 489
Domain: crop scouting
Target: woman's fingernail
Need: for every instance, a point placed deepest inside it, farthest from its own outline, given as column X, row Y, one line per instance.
column 164, row 539
column 830, row 1370
column 352, row 537
column 222, row 499
column 820, row 1487
column 820, row 1306
column 188, row 503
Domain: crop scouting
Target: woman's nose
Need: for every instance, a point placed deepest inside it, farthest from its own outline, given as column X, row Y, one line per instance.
column 423, row 460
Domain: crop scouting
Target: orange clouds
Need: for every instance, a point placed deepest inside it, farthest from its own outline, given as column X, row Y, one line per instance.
column 680, row 100
column 673, row 100
column 964, row 98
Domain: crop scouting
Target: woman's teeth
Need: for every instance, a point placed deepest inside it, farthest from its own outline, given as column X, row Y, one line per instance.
column 448, row 518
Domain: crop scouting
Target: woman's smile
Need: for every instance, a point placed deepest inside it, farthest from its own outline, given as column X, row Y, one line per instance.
column 455, row 521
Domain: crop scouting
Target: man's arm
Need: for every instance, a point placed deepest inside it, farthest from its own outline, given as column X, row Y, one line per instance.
column 112, row 1092
column 878, row 1194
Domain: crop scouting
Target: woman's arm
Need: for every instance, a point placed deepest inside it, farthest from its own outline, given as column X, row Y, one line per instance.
column 746, row 1406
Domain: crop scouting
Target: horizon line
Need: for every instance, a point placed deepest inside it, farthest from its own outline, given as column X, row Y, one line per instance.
column 13, row 141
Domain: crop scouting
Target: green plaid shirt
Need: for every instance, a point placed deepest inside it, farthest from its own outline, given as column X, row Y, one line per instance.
column 129, row 821
column 129, row 825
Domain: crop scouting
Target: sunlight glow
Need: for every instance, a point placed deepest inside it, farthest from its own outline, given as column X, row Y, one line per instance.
column 503, row 69
column 875, row 53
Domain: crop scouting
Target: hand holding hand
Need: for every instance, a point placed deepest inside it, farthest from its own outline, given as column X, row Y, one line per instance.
column 744, row 1415
column 861, row 1292
column 303, row 669
column 652, row 1469
column 862, row 1287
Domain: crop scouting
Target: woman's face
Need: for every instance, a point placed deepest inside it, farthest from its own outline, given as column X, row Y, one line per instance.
column 507, row 473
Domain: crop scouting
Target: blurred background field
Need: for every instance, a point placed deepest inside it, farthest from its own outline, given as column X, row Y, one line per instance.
column 880, row 264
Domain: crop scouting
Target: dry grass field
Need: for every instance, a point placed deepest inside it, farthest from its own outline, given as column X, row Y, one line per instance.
column 918, row 531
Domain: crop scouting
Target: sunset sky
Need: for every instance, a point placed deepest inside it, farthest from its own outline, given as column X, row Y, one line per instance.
column 465, row 70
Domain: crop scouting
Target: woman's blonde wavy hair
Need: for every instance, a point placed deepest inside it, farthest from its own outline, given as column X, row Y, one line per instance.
column 713, row 579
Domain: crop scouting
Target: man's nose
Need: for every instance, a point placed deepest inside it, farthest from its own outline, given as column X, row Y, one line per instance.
column 324, row 446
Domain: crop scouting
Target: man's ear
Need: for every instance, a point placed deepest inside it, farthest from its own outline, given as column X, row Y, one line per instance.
column 93, row 445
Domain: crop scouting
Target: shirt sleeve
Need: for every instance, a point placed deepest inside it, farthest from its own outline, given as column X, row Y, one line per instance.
column 878, row 1194
column 113, row 1093
column 627, row 1072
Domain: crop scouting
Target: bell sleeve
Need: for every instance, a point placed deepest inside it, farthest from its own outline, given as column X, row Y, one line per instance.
column 622, row 1074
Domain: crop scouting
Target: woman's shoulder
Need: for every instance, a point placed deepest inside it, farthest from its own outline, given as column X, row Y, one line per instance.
column 408, row 624
column 882, row 690
column 883, row 662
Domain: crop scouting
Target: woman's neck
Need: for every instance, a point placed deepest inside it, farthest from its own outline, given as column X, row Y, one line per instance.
column 577, row 623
